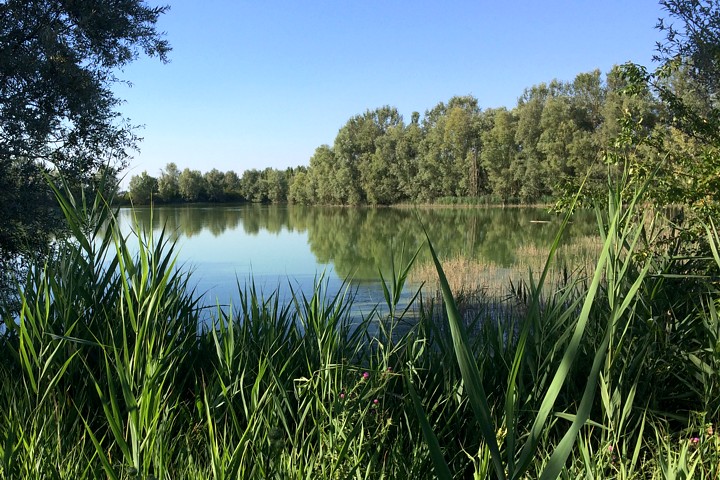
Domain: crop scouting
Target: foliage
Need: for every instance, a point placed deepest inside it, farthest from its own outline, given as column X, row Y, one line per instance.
column 142, row 188
column 168, row 183
column 114, row 369
column 109, row 374
column 58, row 110
column 686, row 160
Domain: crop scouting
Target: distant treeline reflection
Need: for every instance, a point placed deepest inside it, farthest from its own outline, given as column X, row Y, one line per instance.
column 358, row 240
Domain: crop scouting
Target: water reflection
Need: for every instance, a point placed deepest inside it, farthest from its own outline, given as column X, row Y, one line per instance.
column 287, row 247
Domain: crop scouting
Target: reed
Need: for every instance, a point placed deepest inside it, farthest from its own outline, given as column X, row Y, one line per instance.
column 610, row 373
column 467, row 275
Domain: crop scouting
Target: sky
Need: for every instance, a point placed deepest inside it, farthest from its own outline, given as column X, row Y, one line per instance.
column 256, row 84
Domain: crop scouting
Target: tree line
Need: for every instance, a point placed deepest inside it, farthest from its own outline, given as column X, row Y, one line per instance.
column 556, row 138
column 173, row 185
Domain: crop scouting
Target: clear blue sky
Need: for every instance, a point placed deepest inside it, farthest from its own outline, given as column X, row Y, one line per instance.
column 252, row 84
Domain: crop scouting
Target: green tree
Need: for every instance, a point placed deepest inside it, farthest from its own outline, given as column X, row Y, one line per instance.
column 298, row 190
column 142, row 188
column 499, row 154
column 321, row 181
column 58, row 109
column 381, row 176
column 586, row 149
column 408, row 148
column 192, row 185
column 554, row 144
column 231, row 185
column 214, row 181
column 169, row 183
column 251, row 187
column 692, row 43
column 529, row 166
column 355, row 145
column 680, row 146
column 449, row 163
column 275, row 185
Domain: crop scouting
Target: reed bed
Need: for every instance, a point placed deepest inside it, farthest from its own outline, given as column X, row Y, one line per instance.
column 490, row 280
column 107, row 372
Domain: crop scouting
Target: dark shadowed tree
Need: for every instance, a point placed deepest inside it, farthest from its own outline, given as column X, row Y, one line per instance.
column 58, row 110
column 231, row 185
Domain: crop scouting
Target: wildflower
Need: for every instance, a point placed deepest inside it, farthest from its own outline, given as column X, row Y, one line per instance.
column 376, row 401
column 694, row 441
column 342, row 395
column 610, row 448
column 365, row 375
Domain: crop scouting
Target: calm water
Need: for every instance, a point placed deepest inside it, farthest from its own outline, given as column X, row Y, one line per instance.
column 287, row 248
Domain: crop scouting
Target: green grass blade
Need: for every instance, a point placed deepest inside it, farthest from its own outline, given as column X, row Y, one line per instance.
column 468, row 367
column 519, row 357
column 109, row 470
column 528, row 451
column 442, row 471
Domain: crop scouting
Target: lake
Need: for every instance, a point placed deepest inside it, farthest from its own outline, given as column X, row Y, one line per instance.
column 286, row 248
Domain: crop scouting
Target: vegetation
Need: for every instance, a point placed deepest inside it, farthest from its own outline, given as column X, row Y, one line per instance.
column 58, row 111
column 539, row 150
column 113, row 369
column 269, row 185
column 110, row 371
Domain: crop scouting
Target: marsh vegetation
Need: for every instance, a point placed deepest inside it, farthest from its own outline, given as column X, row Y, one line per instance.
column 611, row 373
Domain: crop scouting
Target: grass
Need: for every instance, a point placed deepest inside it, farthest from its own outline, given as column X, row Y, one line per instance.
column 609, row 373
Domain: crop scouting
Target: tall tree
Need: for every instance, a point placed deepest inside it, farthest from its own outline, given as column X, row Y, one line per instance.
column 381, row 173
column 686, row 84
column 215, row 185
column 321, row 182
column 58, row 109
column 250, row 184
column 499, row 154
column 554, row 143
column 142, row 188
column 408, row 150
column 192, row 185
column 168, row 183
column 354, row 148
column 449, row 163
column 231, row 185
column 275, row 185
column 692, row 42
column 529, row 168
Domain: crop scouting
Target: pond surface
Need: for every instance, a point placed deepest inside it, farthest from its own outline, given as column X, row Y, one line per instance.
column 286, row 248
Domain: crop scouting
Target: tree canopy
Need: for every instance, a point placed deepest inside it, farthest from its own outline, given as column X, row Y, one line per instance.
column 58, row 111
column 560, row 135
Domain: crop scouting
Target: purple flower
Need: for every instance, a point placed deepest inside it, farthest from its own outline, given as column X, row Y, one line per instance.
column 342, row 395
column 376, row 401
column 365, row 375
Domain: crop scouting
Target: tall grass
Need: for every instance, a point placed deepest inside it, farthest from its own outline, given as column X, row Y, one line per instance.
column 109, row 373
